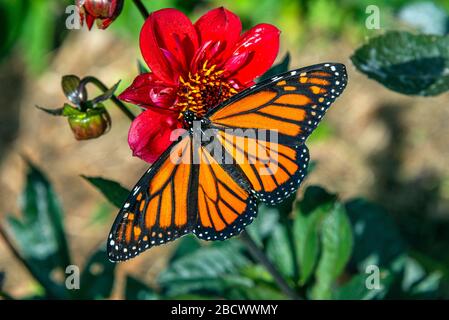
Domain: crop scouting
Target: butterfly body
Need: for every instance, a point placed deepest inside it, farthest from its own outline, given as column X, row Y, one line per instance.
column 247, row 150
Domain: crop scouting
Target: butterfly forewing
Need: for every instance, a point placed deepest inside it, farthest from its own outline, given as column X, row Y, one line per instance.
column 290, row 105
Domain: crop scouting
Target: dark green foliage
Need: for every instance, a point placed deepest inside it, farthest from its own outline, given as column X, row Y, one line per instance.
column 406, row 63
column 312, row 248
column 137, row 290
column 277, row 69
column 112, row 190
column 40, row 237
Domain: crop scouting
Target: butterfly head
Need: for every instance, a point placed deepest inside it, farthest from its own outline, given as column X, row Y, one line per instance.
column 189, row 118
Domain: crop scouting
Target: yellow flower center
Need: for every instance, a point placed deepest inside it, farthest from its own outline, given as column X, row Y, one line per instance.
column 203, row 90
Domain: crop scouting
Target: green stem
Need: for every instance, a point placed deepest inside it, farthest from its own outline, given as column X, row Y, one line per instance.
column 141, row 8
column 260, row 256
column 100, row 85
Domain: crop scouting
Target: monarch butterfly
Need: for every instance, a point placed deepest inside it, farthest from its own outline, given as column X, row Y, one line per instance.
column 216, row 200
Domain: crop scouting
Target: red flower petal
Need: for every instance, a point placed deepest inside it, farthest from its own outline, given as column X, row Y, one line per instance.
column 219, row 25
column 235, row 62
column 148, row 91
column 89, row 20
column 262, row 44
column 171, row 30
column 103, row 24
column 150, row 134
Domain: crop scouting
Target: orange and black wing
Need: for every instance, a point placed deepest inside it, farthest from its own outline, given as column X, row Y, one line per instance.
column 216, row 199
column 159, row 207
column 179, row 195
column 225, row 203
column 292, row 103
column 274, row 170
column 290, row 106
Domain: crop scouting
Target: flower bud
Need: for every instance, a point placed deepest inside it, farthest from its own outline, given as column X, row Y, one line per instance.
column 88, row 119
column 102, row 11
column 90, row 124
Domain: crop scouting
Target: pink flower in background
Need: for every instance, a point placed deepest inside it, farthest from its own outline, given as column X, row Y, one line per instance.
column 102, row 11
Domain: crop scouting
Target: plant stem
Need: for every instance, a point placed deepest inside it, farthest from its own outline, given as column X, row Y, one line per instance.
column 100, row 85
column 141, row 8
column 260, row 256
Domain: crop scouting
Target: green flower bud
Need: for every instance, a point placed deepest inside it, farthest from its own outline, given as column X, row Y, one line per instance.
column 90, row 124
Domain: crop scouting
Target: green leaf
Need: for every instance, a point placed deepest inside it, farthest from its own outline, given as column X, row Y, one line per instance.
column 113, row 191
column 97, row 278
column 101, row 215
column 428, row 287
column 262, row 227
column 39, row 233
column 137, row 290
column 309, row 213
column 406, row 63
column 257, row 292
column 106, row 95
column 336, row 250
column 53, row 112
column 322, row 133
column 10, row 13
column 38, row 34
column 306, row 232
column 142, row 68
column 376, row 238
column 277, row 69
column 414, row 281
column 280, row 251
column 191, row 296
column 70, row 86
column 213, row 269
column 314, row 197
column 357, row 288
column 185, row 246
column 264, row 287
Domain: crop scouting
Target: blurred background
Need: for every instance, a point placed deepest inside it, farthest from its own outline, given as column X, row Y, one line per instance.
column 387, row 147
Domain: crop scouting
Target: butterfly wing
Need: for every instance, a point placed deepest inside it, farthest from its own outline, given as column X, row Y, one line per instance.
column 225, row 204
column 159, row 207
column 177, row 196
column 212, row 198
column 291, row 105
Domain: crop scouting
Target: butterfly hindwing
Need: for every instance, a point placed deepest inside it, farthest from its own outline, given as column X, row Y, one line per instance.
column 157, row 209
column 273, row 170
column 225, row 206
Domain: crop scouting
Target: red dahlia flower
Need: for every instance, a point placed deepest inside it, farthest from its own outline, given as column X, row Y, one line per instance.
column 193, row 67
column 104, row 11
